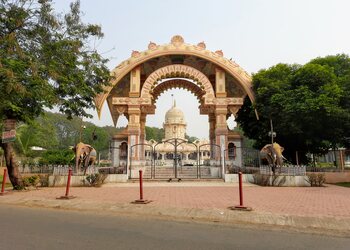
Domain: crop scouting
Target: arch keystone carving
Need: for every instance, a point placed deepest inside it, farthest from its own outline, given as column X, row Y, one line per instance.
column 177, row 40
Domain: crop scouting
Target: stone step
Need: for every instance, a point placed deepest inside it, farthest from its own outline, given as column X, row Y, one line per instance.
column 182, row 179
column 182, row 172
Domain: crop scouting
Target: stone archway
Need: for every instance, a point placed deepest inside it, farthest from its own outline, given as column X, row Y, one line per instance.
column 219, row 84
column 177, row 46
column 177, row 83
column 178, row 71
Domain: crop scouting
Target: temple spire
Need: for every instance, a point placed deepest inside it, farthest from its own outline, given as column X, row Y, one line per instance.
column 174, row 101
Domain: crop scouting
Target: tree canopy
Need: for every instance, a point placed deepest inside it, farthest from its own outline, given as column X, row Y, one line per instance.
column 154, row 133
column 47, row 60
column 308, row 104
column 62, row 134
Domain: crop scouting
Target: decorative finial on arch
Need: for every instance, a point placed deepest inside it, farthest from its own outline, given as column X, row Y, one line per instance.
column 135, row 53
column 152, row 45
column 219, row 52
column 177, row 40
column 202, row 45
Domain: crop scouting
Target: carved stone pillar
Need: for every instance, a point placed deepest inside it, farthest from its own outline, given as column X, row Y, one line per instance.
column 212, row 140
column 220, row 83
column 142, row 136
column 134, row 130
column 221, row 130
column 135, row 82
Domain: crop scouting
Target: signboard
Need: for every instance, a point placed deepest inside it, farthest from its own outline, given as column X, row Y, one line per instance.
column 8, row 136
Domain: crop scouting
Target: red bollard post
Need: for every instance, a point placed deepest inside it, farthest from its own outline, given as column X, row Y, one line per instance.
column 3, row 182
column 141, row 200
column 241, row 206
column 67, row 197
column 141, row 185
column 68, row 181
column 240, row 189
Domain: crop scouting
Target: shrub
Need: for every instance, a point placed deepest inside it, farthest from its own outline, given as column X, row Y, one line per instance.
column 96, row 180
column 311, row 178
column 59, row 157
column 316, row 180
column 44, row 180
column 321, row 179
column 29, row 181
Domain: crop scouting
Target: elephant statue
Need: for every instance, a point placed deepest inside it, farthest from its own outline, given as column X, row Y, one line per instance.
column 273, row 154
column 85, row 156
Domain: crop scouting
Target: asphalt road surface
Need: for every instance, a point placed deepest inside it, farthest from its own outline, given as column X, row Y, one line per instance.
column 28, row 228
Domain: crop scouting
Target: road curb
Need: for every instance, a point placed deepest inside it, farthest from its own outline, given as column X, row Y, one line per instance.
column 321, row 225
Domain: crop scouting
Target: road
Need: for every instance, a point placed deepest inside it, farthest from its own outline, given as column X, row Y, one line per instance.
column 29, row 228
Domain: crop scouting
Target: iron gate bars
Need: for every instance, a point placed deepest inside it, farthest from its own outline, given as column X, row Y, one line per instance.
column 176, row 158
column 174, row 152
column 165, row 158
column 189, row 166
column 241, row 159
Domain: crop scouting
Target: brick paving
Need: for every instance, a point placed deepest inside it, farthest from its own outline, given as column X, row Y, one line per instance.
column 329, row 201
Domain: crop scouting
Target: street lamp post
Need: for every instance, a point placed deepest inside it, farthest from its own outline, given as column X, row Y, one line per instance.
column 81, row 131
column 271, row 133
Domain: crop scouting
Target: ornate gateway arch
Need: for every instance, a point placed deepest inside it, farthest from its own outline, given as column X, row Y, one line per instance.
column 176, row 71
column 219, row 84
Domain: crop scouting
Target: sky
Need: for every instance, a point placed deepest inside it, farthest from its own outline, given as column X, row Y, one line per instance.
column 256, row 34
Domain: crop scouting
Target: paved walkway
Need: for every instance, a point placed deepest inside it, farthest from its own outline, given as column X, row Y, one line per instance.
column 273, row 205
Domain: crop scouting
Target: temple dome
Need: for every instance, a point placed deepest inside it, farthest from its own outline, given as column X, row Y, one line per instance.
column 174, row 116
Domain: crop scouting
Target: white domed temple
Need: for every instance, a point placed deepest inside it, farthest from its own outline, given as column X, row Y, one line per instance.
column 175, row 124
column 175, row 137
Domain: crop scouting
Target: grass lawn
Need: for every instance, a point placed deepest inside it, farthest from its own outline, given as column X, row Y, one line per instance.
column 343, row 184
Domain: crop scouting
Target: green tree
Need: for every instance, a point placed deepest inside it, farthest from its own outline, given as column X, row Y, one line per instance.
column 307, row 104
column 246, row 142
column 96, row 136
column 191, row 138
column 46, row 60
column 67, row 131
column 112, row 131
column 150, row 133
column 36, row 134
column 154, row 133
column 58, row 157
column 341, row 67
column 266, row 83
